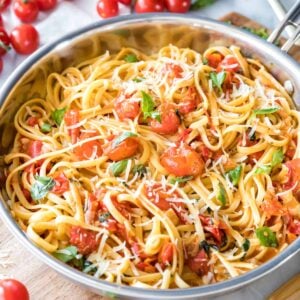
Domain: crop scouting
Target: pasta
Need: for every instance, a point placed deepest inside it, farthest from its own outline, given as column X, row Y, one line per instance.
column 165, row 171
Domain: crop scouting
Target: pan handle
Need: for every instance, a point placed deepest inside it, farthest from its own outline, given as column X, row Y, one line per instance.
column 289, row 19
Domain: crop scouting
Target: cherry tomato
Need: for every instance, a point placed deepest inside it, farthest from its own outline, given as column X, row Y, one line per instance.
column 229, row 63
column 182, row 161
column 1, row 64
column 4, row 4
column 46, row 4
column 107, row 8
column 126, row 109
column 146, row 267
column 26, row 10
column 1, row 21
column 4, row 42
column 61, row 184
column 169, row 121
column 71, row 118
column 31, row 121
column 294, row 226
column 215, row 230
column 136, row 249
column 125, row 149
column 189, row 102
column 214, row 59
column 272, row 207
column 148, row 6
column 175, row 71
column 12, row 289
column 293, row 175
column 126, row 2
column 25, row 39
column 34, row 148
column 178, row 6
column 165, row 256
column 85, row 240
column 199, row 263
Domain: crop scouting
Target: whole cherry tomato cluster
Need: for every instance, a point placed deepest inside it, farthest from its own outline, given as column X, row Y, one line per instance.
column 24, row 38
column 110, row 8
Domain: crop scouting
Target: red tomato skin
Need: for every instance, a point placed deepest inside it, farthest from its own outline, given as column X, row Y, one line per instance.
column 72, row 118
column 199, row 263
column 45, row 5
column 26, row 11
column 12, row 289
column 107, row 8
column 61, row 184
column 4, row 42
column 4, row 4
column 125, row 2
column 214, row 59
column 148, row 6
column 190, row 102
column 182, row 161
column 24, row 39
column 1, row 21
column 165, row 256
column 293, row 175
column 35, row 148
column 229, row 63
column 1, row 64
column 178, row 6
column 126, row 109
column 174, row 70
column 31, row 121
column 84, row 239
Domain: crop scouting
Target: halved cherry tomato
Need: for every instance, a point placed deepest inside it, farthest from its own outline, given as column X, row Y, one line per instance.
column 26, row 10
column 88, row 150
column 61, row 184
column 214, row 59
column 71, row 118
column 107, row 8
column 229, row 63
column 34, row 148
column 25, row 39
column 199, row 263
column 170, row 122
column 85, row 240
column 4, row 4
column 126, row 2
column 125, row 149
column 182, row 161
column 165, row 256
column 294, row 175
column 4, row 42
column 127, row 109
column 148, row 6
column 178, row 6
column 175, row 71
column 189, row 102
column 46, row 4
column 12, row 289
column 31, row 121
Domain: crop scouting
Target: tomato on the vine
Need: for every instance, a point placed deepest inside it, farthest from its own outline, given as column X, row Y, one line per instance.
column 147, row 6
column 178, row 6
column 11, row 289
column 107, row 8
column 46, row 4
column 4, row 4
column 4, row 42
column 24, row 39
column 26, row 10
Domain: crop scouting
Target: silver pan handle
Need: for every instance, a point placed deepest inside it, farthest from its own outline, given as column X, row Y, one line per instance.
column 289, row 19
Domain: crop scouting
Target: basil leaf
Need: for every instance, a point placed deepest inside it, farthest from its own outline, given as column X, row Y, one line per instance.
column 125, row 135
column 204, row 60
column 140, row 169
column 265, row 111
column 103, row 217
column 261, row 32
column 154, row 115
column 119, row 167
column 46, row 127
column 266, row 237
column 206, row 246
column 264, row 169
column 41, row 187
column 181, row 179
column 246, row 245
column 138, row 79
column 277, row 157
column 201, row 3
column 66, row 254
column 222, row 195
column 235, row 174
column 217, row 79
column 147, row 103
column 89, row 267
column 58, row 115
column 131, row 58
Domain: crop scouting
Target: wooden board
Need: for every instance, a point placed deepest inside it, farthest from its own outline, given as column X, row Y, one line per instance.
column 43, row 282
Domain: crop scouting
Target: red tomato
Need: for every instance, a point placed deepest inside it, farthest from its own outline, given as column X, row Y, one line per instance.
column 229, row 63
column 216, row 230
column 27, row 194
column 272, row 207
column 182, row 161
column 126, row 2
column 294, row 175
column 85, row 240
column 1, row 21
column 4, row 42
column 1, row 64
column 189, row 102
column 148, row 6
column 4, row 4
column 88, row 150
column 127, row 109
column 165, row 256
column 24, row 39
column 31, row 121
column 71, row 118
column 178, row 6
column 294, row 226
column 214, row 59
column 146, row 267
column 26, row 10
column 136, row 249
column 199, row 263
column 252, row 158
column 206, row 153
column 173, row 70
column 34, row 148
column 46, row 4
column 169, row 121
column 107, row 8
column 125, row 149
column 12, row 289
column 61, row 184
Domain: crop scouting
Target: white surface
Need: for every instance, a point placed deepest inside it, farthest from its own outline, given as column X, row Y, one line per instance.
column 71, row 15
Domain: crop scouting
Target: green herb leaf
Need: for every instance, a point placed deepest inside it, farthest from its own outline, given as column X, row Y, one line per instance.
column 266, row 237
column 138, row 79
column 125, row 135
column 252, row 137
column 201, row 3
column 131, row 58
column 206, row 246
column 103, row 217
column 58, row 115
column 119, row 167
column 140, row 169
column 277, row 157
column 66, row 254
column 217, row 79
column 155, row 115
column 235, row 174
column 181, row 179
column 265, row 111
column 264, row 169
column 222, row 195
column 204, row 60
column 46, row 127
column 261, row 32
column 41, row 187
column 246, row 245
column 89, row 268
column 148, row 108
